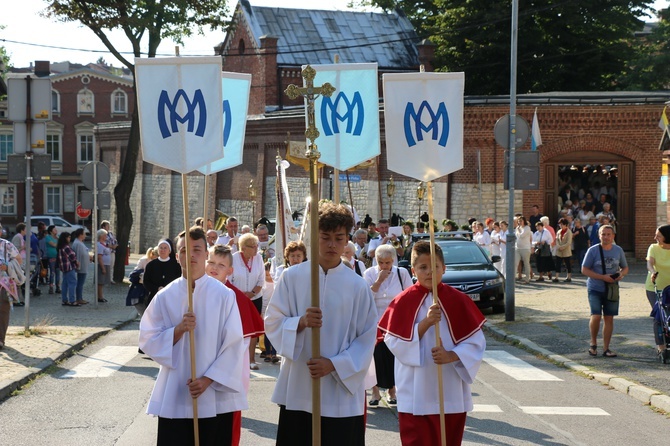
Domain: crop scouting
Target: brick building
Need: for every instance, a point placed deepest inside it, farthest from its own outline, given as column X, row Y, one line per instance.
column 82, row 98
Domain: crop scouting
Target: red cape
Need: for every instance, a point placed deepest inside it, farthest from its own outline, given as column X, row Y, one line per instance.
column 462, row 315
column 252, row 323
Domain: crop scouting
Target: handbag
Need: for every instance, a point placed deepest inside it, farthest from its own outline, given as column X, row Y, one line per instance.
column 611, row 288
column 14, row 268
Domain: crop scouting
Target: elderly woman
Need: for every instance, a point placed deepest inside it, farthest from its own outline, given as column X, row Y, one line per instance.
column 542, row 241
column 349, row 255
column 249, row 276
column 104, row 263
column 564, row 249
column 386, row 282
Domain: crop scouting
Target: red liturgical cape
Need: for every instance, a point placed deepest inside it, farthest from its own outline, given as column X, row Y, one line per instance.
column 462, row 315
column 252, row 322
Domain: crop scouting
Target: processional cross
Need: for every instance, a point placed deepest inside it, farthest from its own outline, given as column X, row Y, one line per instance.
column 311, row 93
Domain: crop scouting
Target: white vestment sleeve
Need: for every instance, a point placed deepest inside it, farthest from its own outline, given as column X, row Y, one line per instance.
column 409, row 353
column 280, row 326
column 352, row 364
column 231, row 353
column 471, row 353
column 157, row 335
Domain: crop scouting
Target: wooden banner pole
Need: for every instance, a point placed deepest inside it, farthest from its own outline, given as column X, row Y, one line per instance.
column 438, row 341
column 189, row 286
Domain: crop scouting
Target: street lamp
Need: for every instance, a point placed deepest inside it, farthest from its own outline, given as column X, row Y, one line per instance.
column 252, row 196
column 390, row 191
column 420, row 193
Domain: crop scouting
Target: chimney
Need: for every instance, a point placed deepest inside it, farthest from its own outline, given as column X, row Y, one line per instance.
column 42, row 68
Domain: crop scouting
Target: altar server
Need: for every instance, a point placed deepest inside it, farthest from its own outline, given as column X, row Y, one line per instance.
column 347, row 317
column 409, row 332
column 215, row 323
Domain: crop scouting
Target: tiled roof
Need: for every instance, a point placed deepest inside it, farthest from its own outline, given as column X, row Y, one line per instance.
column 311, row 36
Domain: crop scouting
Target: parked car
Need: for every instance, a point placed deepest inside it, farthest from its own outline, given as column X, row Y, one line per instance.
column 59, row 222
column 470, row 270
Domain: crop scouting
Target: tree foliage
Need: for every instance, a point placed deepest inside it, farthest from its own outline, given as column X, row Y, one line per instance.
column 563, row 45
column 143, row 22
column 650, row 67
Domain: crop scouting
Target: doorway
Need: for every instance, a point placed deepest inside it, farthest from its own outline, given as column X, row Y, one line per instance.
column 595, row 174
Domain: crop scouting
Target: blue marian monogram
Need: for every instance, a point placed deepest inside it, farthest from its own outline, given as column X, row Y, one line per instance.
column 331, row 126
column 165, row 103
column 417, row 130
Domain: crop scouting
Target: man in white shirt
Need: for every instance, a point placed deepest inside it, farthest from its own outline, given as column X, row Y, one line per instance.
column 231, row 236
column 219, row 353
column 383, row 239
column 348, row 320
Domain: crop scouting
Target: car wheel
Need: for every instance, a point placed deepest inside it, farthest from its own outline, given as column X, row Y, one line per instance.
column 497, row 309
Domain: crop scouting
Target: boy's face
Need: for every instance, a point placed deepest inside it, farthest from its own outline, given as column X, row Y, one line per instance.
column 331, row 246
column 424, row 273
column 219, row 267
column 198, row 257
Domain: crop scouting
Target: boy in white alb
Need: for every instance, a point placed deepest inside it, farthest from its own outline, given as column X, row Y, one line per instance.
column 219, row 353
column 409, row 327
column 347, row 318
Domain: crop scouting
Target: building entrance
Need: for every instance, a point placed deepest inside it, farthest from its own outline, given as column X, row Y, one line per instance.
column 588, row 181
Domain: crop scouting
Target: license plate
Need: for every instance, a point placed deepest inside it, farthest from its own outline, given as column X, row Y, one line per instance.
column 474, row 296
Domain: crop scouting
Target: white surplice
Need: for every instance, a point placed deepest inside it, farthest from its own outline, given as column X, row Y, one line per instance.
column 220, row 349
column 347, row 339
column 416, row 373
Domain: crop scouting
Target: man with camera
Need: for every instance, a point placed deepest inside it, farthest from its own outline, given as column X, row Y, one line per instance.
column 605, row 266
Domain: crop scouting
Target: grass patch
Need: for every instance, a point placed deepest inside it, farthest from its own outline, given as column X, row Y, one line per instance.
column 43, row 326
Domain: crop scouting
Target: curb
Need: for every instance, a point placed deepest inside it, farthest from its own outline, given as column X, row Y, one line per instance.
column 646, row 395
column 7, row 387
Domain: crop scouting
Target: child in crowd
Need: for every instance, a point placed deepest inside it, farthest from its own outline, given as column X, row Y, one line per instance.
column 409, row 332
column 219, row 266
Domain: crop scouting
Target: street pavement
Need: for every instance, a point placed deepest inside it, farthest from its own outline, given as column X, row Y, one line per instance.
column 551, row 321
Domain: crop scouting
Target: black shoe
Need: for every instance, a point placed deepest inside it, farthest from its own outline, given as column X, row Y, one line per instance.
column 139, row 350
column 57, row 290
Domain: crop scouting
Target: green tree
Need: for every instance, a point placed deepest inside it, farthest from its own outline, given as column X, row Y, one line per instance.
column 563, row 45
column 148, row 21
column 650, row 68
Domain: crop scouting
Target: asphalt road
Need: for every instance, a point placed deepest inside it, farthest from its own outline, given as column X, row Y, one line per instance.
column 100, row 394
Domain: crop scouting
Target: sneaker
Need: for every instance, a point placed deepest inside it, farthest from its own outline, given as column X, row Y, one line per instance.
column 568, row 280
column 253, row 366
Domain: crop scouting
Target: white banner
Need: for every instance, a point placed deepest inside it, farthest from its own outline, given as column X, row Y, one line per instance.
column 235, row 87
column 423, row 118
column 348, row 121
column 181, row 117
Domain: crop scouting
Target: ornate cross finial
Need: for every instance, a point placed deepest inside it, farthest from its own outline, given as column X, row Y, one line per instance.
column 311, row 93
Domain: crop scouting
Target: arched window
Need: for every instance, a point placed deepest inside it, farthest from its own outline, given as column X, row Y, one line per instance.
column 119, row 102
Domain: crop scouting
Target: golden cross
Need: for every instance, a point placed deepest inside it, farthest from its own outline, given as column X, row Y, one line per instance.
column 311, row 93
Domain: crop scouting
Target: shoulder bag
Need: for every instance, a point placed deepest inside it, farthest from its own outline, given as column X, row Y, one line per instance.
column 612, row 288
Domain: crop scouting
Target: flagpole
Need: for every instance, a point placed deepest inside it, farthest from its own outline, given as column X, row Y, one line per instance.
column 310, row 93
column 438, row 340
column 189, row 286
column 206, row 207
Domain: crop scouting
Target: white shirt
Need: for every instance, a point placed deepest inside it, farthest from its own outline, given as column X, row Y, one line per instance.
column 347, row 339
column 225, row 238
column 544, row 236
column 389, row 288
column 373, row 245
column 523, row 237
column 219, row 349
column 483, row 239
column 245, row 279
column 416, row 373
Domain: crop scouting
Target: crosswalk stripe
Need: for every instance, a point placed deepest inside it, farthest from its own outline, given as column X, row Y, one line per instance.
column 488, row 408
column 103, row 363
column 549, row 410
column 516, row 368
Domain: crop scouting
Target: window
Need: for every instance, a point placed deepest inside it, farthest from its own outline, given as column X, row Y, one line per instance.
column 241, row 46
column 7, row 199
column 53, row 198
column 53, row 147
column 6, row 145
column 119, row 102
column 55, row 101
column 85, row 102
column 86, row 147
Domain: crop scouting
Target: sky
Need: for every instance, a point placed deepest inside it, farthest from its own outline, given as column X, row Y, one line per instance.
column 39, row 36
column 28, row 37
